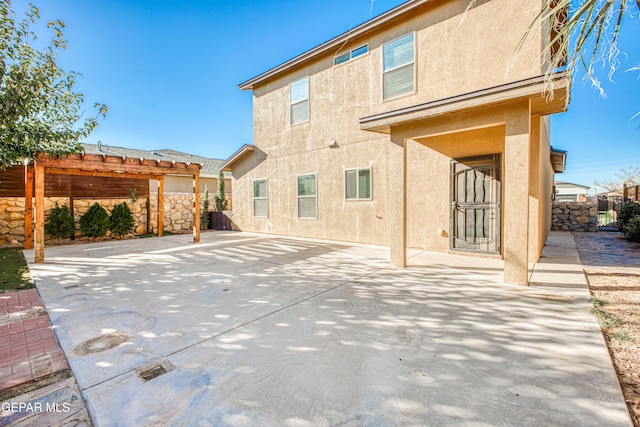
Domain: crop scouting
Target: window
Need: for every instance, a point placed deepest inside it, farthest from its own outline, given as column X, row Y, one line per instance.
column 358, row 184
column 398, row 67
column 307, row 199
column 260, row 201
column 299, row 94
column 344, row 57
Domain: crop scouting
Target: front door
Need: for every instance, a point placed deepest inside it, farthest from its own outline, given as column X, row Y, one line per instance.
column 475, row 205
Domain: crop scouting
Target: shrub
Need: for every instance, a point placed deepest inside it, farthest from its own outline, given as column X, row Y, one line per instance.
column 204, row 215
column 631, row 229
column 95, row 222
column 59, row 223
column 121, row 220
column 222, row 204
column 627, row 212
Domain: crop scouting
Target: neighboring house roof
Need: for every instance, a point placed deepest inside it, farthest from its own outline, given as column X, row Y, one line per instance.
column 227, row 166
column 210, row 166
column 562, row 184
column 336, row 42
column 558, row 160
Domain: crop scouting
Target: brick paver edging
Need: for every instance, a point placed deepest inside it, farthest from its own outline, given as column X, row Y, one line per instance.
column 28, row 348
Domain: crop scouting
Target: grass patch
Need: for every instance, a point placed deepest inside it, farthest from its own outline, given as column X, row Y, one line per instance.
column 14, row 273
column 609, row 322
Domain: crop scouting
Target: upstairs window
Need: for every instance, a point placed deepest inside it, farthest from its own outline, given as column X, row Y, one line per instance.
column 260, row 201
column 358, row 184
column 344, row 57
column 299, row 101
column 398, row 67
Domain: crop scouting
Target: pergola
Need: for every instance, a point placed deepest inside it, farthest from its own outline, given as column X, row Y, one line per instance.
column 103, row 166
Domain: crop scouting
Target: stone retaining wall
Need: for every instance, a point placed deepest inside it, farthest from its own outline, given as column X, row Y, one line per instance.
column 177, row 215
column 575, row 216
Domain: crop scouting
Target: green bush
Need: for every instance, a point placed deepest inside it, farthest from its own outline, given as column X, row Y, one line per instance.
column 121, row 220
column 95, row 222
column 631, row 229
column 627, row 212
column 59, row 223
column 204, row 215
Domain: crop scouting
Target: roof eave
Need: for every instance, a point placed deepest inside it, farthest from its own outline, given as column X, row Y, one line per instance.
column 227, row 166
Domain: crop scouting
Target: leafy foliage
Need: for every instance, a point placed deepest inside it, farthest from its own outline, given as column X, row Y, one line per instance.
column 222, row 204
column 587, row 35
column 628, row 211
column 39, row 111
column 59, row 223
column 204, row 215
column 121, row 221
column 95, row 221
column 631, row 228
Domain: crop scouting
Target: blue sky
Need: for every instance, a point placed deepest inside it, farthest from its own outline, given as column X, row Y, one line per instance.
column 169, row 70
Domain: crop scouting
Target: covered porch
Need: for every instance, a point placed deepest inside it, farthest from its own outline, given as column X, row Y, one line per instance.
column 473, row 174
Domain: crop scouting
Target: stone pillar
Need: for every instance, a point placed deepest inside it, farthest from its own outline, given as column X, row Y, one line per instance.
column 196, row 208
column 516, row 194
column 398, row 201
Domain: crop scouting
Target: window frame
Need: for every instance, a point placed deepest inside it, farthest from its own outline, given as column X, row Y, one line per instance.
column 358, row 198
column 413, row 64
column 298, row 196
column 266, row 181
column 349, row 54
column 292, row 104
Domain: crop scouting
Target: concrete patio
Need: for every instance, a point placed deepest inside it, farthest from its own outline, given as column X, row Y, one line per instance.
column 246, row 329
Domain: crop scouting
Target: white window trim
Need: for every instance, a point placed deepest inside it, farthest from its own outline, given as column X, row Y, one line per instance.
column 253, row 191
column 350, row 52
column 414, row 63
column 359, row 199
column 306, row 197
column 291, row 104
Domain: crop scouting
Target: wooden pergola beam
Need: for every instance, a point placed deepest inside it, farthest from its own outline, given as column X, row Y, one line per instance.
column 39, row 190
column 121, row 168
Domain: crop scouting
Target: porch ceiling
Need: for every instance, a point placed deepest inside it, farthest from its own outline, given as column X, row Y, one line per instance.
column 533, row 89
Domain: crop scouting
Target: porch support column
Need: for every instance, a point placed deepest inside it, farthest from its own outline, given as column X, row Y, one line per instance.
column 160, row 204
column 398, row 201
column 39, row 246
column 516, row 194
column 196, row 208
column 28, row 207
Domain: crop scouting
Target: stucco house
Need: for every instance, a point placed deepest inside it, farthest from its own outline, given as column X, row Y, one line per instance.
column 424, row 127
column 570, row 192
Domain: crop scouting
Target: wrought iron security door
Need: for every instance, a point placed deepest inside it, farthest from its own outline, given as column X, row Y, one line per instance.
column 475, row 205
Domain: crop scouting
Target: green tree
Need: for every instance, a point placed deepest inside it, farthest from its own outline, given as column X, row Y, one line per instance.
column 59, row 223
column 121, row 221
column 204, row 215
column 222, row 204
column 583, row 33
column 39, row 111
column 95, row 221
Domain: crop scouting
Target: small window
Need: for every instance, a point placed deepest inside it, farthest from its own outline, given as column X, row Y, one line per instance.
column 344, row 57
column 307, row 198
column 398, row 67
column 260, row 201
column 299, row 97
column 358, row 184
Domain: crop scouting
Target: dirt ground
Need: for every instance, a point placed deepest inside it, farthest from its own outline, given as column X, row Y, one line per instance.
column 612, row 266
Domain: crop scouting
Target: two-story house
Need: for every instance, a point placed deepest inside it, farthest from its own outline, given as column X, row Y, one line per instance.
column 425, row 127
